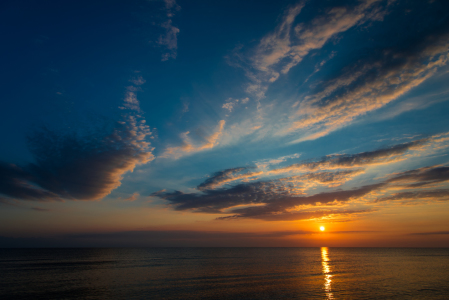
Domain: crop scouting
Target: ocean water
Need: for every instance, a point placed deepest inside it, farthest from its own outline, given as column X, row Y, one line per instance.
column 225, row 273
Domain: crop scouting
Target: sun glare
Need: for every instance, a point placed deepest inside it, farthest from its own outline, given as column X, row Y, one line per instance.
column 322, row 228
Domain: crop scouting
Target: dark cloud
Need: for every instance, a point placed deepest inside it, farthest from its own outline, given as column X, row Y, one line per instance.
column 18, row 183
column 430, row 233
column 418, row 196
column 213, row 201
column 74, row 166
column 358, row 160
column 7, row 201
column 40, row 209
column 278, row 208
column 276, row 199
column 421, row 177
column 291, row 216
column 366, row 158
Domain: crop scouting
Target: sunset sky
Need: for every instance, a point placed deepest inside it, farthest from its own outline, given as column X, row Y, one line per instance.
column 224, row 123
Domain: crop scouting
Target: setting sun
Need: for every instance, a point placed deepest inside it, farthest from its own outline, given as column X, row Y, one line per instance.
column 322, row 228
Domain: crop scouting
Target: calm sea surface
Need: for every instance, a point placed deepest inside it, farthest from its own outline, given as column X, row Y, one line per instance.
column 225, row 273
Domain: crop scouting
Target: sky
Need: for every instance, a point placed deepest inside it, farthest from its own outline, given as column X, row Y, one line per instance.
column 224, row 123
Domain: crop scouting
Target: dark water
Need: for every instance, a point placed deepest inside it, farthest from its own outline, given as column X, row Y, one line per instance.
column 225, row 273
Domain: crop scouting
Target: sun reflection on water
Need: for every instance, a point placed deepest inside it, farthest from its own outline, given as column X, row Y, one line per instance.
column 326, row 272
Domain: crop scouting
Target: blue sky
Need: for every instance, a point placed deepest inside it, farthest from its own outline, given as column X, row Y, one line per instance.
column 229, row 117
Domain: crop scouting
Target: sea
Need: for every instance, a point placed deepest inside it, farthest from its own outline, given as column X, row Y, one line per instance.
column 224, row 273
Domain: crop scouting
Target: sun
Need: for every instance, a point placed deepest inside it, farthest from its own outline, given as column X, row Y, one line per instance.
column 322, row 228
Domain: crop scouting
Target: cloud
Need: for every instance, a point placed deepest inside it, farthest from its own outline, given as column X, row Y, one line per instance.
column 369, row 84
column 79, row 165
column 288, row 44
column 219, row 177
column 17, row 183
column 328, row 179
column 138, row 80
column 277, row 201
column 231, row 103
column 294, row 216
column 285, row 198
column 170, row 38
column 417, row 186
column 133, row 197
column 263, row 164
column 185, row 107
column 213, row 201
column 430, row 233
column 190, row 147
column 390, row 70
column 283, row 50
column 226, row 176
column 387, row 155
column 278, row 207
column 415, row 103
column 358, row 160
column 130, row 101
column 418, row 196
column 270, row 198
column 421, row 177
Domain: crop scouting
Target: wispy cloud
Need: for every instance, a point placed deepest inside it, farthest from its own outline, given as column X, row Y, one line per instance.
column 276, row 199
column 263, row 164
column 356, row 161
column 369, row 85
column 133, row 197
column 219, row 177
column 189, row 146
column 288, row 44
column 421, row 177
column 139, row 80
column 366, row 83
column 418, row 196
column 287, row 198
column 170, row 38
column 231, row 103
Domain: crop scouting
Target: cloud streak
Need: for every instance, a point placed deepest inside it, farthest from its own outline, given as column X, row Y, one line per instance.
column 189, row 146
column 370, row 84
column 170, row 38
column 418, row 196
column 286, row 199
column 275, row 201
column 288, row 44
column 387, row 155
